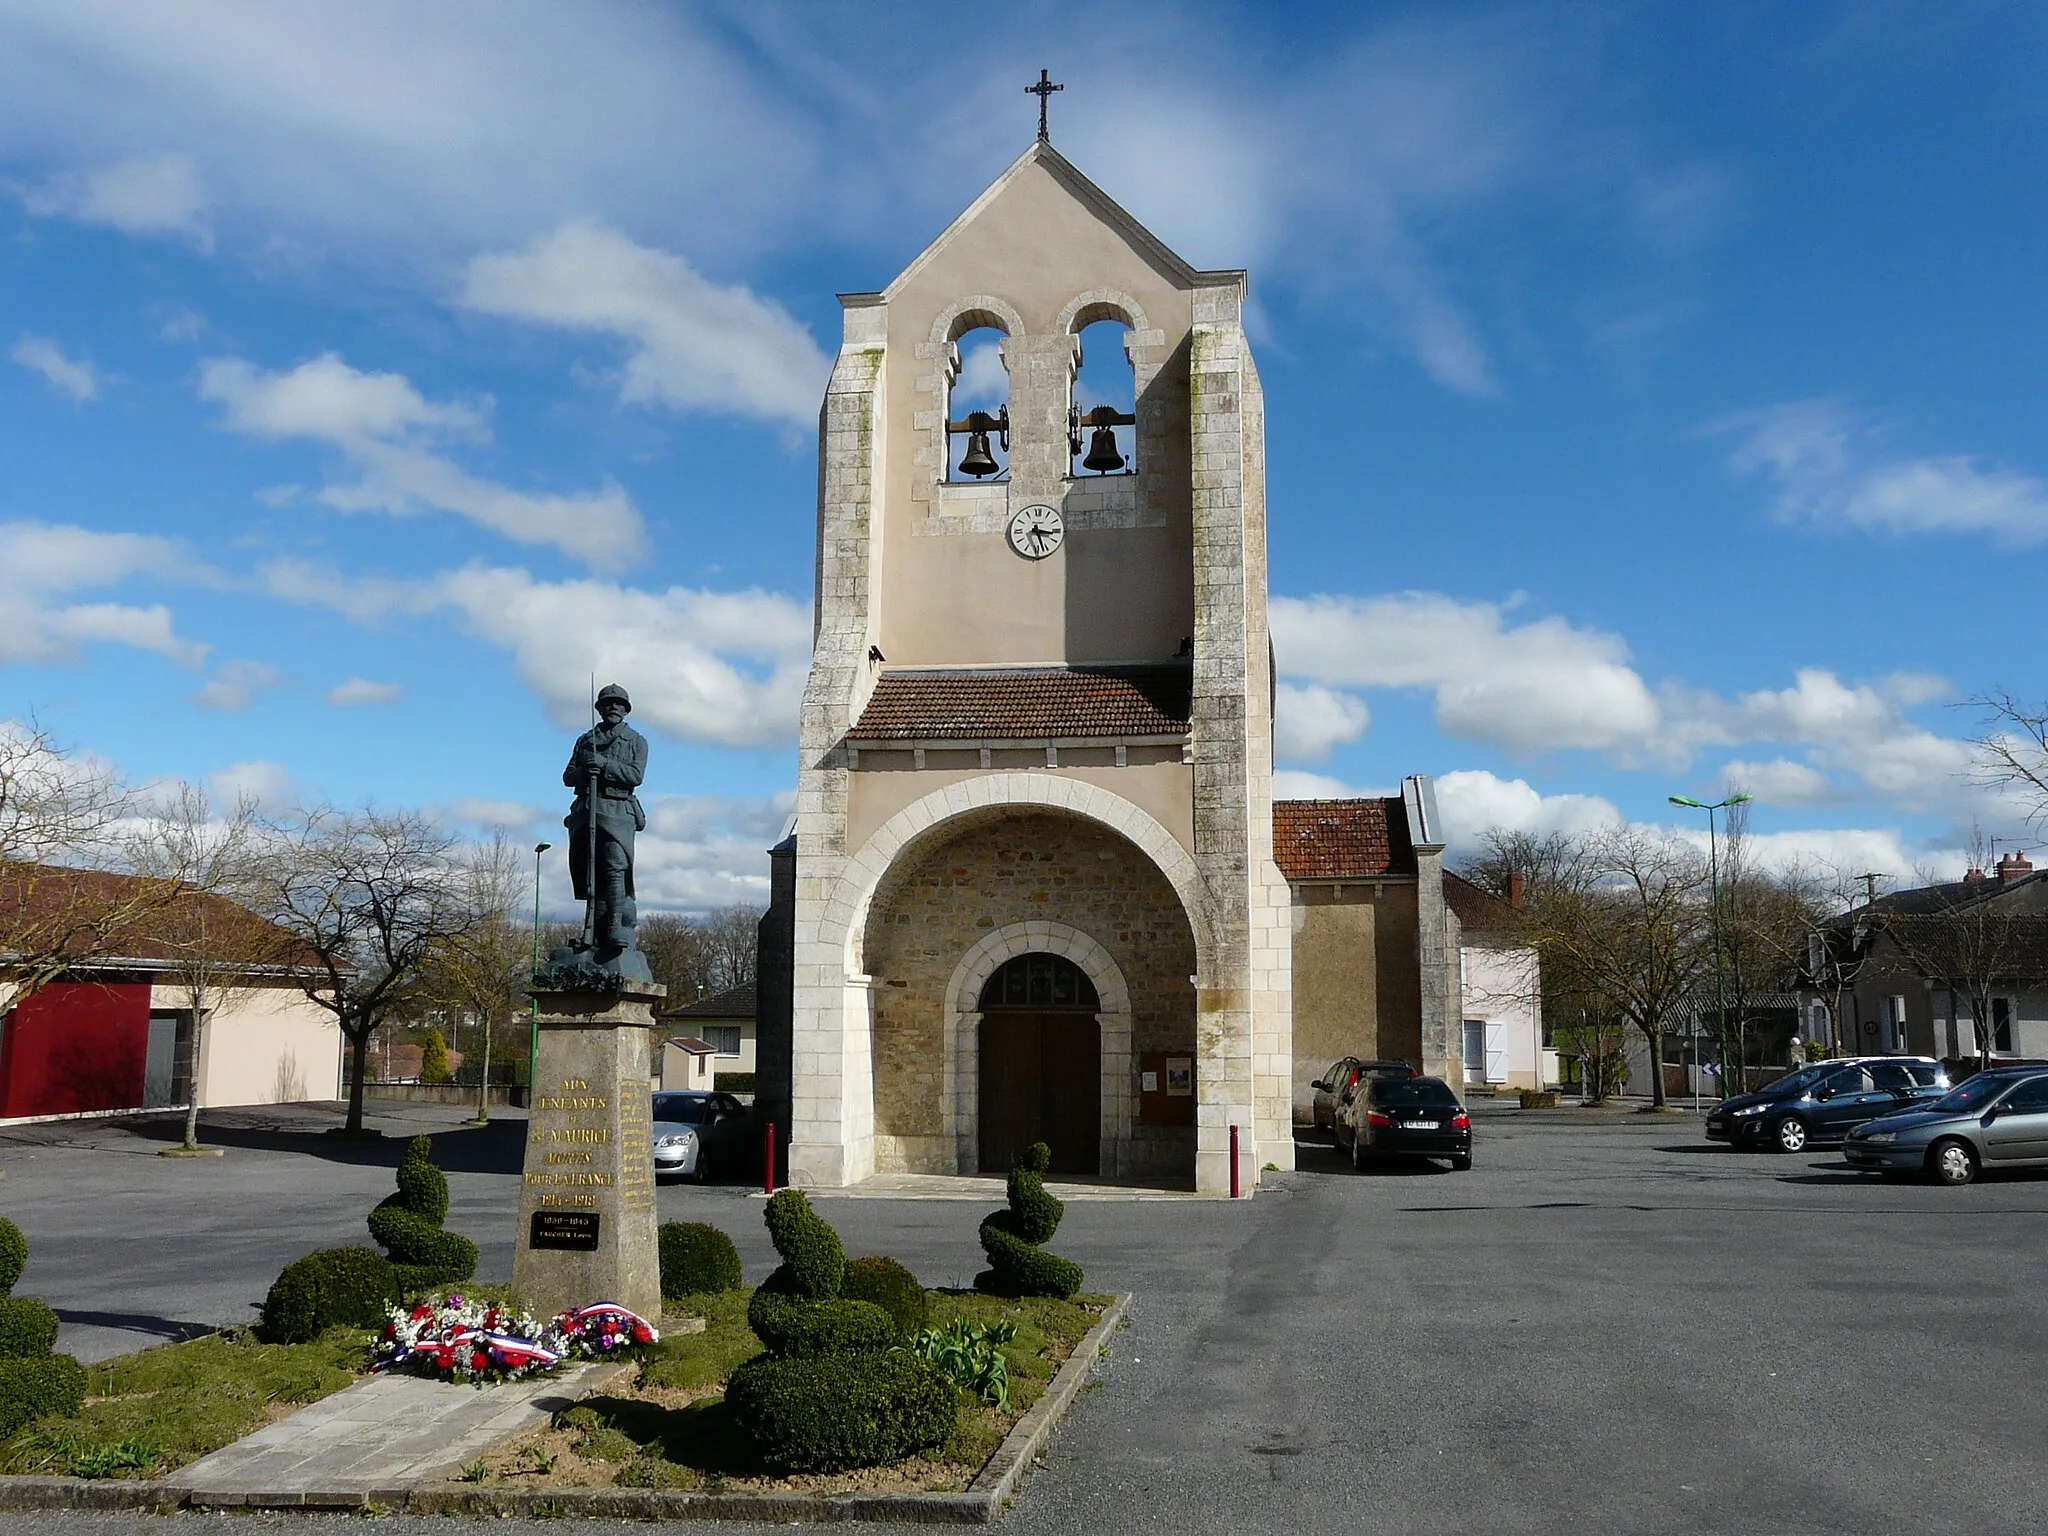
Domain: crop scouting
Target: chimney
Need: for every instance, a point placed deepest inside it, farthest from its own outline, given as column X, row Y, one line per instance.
column 2012, row 866
column 1973, row 876
column 1517, row 887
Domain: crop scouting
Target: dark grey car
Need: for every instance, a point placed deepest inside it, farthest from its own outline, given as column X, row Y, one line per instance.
column 704, row 1136
column 1997, row 1119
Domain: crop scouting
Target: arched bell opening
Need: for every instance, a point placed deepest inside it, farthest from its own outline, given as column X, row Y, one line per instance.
column 978, row 407
column 1040, row 1054
column 1102, row 420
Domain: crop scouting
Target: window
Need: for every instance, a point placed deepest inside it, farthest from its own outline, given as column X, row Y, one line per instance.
column 1408, row 1092
column 1104, row 436
column 2001, row 1024
column 978, row 409
column 1039, row 981
column 1851, row 1080
column 1891, row 1077
column 1895, row 1023
column 2030, row 1098
column 724, row 1039
column 1925, row 1073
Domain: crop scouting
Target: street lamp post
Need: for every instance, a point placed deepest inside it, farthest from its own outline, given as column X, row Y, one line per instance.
column 533, row 1032
column 1714, row 876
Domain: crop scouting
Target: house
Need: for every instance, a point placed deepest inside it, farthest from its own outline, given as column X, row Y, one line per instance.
column 114, row 1032
column 1501, row 990
column 725, row 1020
column 686, row 1063
column 1910, row 972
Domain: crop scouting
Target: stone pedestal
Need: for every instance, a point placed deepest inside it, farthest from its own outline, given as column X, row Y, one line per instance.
column 586, row 1203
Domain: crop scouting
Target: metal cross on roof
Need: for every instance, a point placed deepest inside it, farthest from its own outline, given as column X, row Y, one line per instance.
column 1043, row 91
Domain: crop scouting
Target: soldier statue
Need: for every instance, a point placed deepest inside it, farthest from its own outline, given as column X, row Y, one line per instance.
column 606, row 766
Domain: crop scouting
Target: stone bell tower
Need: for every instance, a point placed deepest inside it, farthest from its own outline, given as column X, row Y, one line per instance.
column 1035, row 894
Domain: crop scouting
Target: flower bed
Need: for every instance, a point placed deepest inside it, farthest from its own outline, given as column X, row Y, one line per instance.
column 478, row 1341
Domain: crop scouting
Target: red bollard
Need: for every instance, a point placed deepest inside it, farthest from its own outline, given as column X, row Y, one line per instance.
column 1233, row 1163
column 768, row 1166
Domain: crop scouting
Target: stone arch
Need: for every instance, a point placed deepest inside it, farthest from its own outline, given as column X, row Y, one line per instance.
column 937, row 815
column 964, row 315
column 1084, row 309
column 963, row 1032
column 953, row 322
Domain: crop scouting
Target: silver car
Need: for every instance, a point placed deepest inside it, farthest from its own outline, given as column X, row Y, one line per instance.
column 699, row 1135
column 1997, row 1119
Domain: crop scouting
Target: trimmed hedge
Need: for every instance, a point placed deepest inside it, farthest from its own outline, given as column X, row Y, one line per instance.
column 889, row 1286
column 408, row 1225
column 813, row 1258
column 697, row 1257
column 332, row 1287
column 13, row 1255
column 27, row 1327
column 1017, row 1266
column 38, row 1388
column 838, row 1411
column 794, row 1327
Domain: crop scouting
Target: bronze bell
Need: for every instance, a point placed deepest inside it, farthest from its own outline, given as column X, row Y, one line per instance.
column 977, row 460
column 1103, row 457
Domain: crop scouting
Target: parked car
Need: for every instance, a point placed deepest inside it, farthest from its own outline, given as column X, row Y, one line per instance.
column 1826, row 1101
column 1997, row 1119
column 701, row 1135
column 1334, row 1089
column 1406, row 1117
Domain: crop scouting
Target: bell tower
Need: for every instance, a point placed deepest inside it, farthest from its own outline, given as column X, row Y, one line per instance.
column 1042, row 674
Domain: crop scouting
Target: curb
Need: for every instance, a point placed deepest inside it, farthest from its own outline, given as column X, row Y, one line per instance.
column 982, row 1504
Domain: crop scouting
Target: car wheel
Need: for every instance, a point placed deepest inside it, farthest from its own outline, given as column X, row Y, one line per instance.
column 1462, row 1164
column 1952, row 1162
column 1359, row 1157
column 707, row 1171
column 1790, row 1134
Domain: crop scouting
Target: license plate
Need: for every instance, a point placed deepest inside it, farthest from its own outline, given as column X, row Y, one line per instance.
column 1418, row 1125
column 1716, row 1125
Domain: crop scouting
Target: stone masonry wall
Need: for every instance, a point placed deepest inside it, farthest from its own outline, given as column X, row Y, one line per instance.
column 1005, row 869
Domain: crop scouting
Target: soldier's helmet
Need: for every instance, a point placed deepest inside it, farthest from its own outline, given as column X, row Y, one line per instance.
column 614, row 691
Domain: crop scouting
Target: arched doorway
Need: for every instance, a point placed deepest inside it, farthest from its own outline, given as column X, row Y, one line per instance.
column 1041, row 1065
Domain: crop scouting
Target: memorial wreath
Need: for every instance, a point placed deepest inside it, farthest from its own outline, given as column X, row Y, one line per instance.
column 466, row 1340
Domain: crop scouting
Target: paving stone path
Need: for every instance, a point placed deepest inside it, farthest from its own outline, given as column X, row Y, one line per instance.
column 374, row 1441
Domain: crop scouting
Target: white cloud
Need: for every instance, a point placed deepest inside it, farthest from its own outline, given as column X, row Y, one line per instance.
column 1532, row 688
column 723, row 667
column 73, row 376
column 361, row 691
column 691, row 344
column 389, row 432
column 151, row 195
column 38, row 560
column 235, row 685
column 510, row 815
column 1472, row 802
column 1827, row 468
column 983, row 380
column 1309, row 721
column 270, row 785
column 1781, row 782
column 183, row 324
column 365, row 599
column 1300, row 784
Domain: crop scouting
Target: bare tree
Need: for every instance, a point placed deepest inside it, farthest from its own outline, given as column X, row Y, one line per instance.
column 217, row 948
column 1973, row 947
column 732, row 935
column 1767, row 916
column 483, row 968
column 62, row 820
column 2012, row 754
column 373, row 896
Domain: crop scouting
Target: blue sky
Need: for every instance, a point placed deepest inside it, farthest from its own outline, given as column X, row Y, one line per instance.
column 1654, row 391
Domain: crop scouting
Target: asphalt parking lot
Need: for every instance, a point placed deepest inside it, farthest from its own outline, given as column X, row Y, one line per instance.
column 1605, row 1326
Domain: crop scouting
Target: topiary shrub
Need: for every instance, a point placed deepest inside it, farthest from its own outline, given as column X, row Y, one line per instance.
column 839, row 1411
column 351, row 1287
column 13, row 1255
column 889, row 1286
column 829, row 1393
column 1017, row 1266
column 27, row 1327
column 697, row 1257
column 434, row 1059
column 408, row 1224
column 39, row 1388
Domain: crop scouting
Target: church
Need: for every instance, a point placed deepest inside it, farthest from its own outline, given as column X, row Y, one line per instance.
column 1038, row 887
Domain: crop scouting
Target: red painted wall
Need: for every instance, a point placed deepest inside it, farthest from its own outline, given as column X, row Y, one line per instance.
column 74, row 1046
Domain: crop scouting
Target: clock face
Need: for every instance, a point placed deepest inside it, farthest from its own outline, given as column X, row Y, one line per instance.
column 1036, row 531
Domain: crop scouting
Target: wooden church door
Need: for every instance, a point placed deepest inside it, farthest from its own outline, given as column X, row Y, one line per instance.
column 1040, row 1066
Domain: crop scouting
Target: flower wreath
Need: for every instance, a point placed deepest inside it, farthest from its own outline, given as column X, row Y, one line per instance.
column 469, row 1341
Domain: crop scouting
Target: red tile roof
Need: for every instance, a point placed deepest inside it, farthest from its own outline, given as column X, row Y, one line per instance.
column 1026, row 704
column 1478, row 909
column 1341, row 839
column 104, row 918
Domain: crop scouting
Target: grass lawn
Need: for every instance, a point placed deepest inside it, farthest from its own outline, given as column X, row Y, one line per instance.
column 670, row 1429
column 150, row 1412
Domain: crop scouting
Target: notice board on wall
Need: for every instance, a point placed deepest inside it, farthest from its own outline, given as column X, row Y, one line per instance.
column 1166, row 1088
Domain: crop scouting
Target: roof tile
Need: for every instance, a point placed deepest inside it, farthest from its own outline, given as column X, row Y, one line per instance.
column 1026, row 703
column 1341, row 839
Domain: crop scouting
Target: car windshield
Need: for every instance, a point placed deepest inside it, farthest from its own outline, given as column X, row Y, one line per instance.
column 1796, row 1082
column 1404, row 1092
column 1974, row 1094
column 681, row 1108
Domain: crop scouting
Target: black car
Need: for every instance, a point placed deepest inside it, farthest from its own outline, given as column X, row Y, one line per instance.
column 1406, row 1117
column 1826, row 1101
column 1335, row 1088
